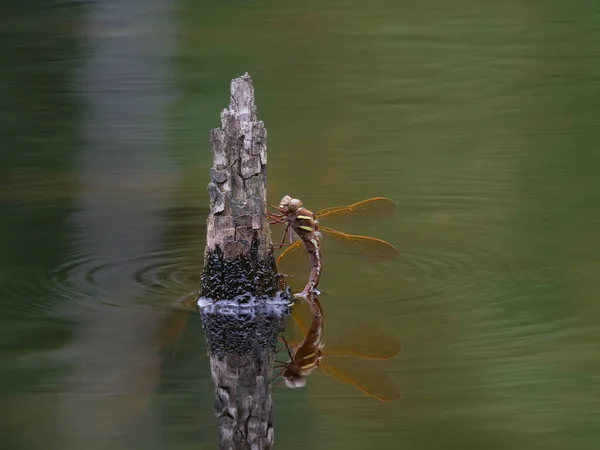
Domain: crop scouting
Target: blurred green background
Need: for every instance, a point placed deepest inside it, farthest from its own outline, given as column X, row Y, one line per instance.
column 479, row 118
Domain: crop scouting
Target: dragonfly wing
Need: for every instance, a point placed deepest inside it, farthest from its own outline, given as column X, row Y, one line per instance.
column 336, row 242
column 302, row 316
column 293, row 251
column 294, row 263
column 294, row 260
column 365, row 341
column 171, row 329
column 297, row 329
column 369, row 381
column 370, row 209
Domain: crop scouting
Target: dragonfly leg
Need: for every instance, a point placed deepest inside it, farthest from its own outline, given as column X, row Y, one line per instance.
column 276, row 207
column 280, row 382
column 273, row 219
column 279, row 351
column 275, row 216
column 287, row 228
column 287, row 347
column 281, row 339
column 277, row 375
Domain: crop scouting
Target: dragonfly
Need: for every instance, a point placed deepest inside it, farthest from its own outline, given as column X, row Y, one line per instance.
column 315, row 237
column 302, row 222
column 312, row 353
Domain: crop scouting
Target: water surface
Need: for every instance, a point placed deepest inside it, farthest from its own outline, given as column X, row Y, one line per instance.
column 480, row 121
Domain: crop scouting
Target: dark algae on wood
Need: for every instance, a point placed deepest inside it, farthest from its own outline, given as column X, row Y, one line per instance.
column 243, row 303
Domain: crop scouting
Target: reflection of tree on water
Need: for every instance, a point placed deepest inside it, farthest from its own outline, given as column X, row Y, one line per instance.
column 115, row 352
column 119, row 354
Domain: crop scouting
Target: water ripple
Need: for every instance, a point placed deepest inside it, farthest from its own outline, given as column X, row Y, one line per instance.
column 28, row 288
column 150, row 274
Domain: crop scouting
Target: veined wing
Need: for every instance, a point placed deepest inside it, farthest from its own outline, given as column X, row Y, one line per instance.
column 364, row 340
column 295, row 264
column 294, row 259
column 171, row 329
column 297, row 329
column 371, row 209
column 353, row 244
column 292, row 251
column 369, row 380
column 302, row 316
column 336, row 242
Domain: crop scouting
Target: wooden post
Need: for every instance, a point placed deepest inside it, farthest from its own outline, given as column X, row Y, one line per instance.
column 241, row 306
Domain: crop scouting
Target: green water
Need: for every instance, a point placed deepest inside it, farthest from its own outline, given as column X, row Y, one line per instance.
column 479, row 119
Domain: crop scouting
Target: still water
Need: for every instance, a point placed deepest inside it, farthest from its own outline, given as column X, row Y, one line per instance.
column 479, row 120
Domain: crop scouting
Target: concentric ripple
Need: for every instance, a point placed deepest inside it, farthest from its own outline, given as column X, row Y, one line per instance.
column 27, row 289
column 465, row 258
column 157, row 273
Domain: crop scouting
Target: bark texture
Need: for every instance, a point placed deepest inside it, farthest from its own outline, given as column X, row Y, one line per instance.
column 238, row 186
column 242, row 307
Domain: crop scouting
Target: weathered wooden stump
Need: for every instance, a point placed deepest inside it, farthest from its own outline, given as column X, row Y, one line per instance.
column 242, row 307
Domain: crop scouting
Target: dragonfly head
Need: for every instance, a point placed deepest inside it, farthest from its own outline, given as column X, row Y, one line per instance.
column 289, row 204
column 292, row 378
column 295, row 204
column 285, row 202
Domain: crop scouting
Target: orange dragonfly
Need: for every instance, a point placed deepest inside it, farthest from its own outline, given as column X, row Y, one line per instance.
column 310, row 353
column 294, row 258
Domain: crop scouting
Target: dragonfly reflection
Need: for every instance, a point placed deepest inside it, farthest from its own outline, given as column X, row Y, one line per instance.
column 311, row 353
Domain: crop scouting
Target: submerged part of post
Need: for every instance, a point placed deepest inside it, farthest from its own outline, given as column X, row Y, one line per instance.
column 242, row 307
